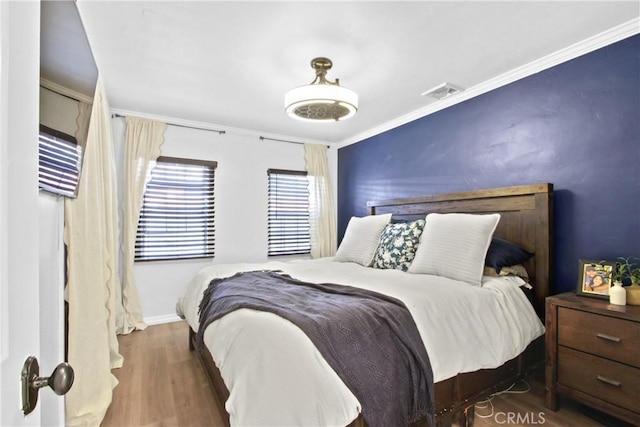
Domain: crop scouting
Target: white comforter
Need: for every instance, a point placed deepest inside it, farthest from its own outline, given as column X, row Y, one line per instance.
column 276, row 377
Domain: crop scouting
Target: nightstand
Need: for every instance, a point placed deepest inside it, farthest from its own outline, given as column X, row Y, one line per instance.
column 593, row 354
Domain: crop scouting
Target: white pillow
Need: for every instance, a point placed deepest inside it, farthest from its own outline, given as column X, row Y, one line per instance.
column 454, row 246
column 361, row 239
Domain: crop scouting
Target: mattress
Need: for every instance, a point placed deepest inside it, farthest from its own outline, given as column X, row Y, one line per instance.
column 275, row 375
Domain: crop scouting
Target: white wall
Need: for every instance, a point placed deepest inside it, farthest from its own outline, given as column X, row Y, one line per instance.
column 241, row 205
column 58, row 112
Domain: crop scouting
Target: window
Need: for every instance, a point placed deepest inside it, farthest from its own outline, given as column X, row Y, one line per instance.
column 288, row 213
column 176, row 220
column 59, row 159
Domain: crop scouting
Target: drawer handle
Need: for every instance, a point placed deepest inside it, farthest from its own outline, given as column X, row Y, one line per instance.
column 608, row 381
column 608, row 337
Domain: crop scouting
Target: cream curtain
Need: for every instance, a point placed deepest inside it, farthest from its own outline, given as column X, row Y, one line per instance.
column 82, row 123
column 91, row 229
column 82, row 129
column 322, row 212
column 142, row 147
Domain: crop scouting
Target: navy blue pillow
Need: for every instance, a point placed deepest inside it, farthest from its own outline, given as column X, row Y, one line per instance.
column 503, row 253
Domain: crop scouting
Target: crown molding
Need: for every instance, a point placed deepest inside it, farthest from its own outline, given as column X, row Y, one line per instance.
column 65, row 91
column 583, row 47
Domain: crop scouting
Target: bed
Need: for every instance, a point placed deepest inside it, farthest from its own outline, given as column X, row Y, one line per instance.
column 525, row 220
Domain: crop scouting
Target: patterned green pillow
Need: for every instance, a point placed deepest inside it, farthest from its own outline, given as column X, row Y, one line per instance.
column 398, row 245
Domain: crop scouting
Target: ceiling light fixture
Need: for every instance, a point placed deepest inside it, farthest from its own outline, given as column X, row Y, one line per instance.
column 321, row 100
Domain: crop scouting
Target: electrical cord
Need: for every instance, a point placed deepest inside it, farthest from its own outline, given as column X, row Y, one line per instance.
column 487, row 403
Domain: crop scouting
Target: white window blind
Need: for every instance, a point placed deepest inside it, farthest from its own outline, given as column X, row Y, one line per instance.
column 177, row 216
column 288, row 213
column 59, row 162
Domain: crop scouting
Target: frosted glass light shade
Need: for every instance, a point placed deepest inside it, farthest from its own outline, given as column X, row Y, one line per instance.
column 321, row 103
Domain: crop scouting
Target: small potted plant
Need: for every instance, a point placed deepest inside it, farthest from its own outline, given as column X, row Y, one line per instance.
column 635, row 275
column 627, row 272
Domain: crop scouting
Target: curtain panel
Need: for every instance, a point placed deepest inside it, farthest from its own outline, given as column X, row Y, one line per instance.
column 82, row 123
column 322, row 213
column 143, row 141
column 90, row 234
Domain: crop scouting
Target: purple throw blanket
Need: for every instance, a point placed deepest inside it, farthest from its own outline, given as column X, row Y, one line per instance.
column 369, row 339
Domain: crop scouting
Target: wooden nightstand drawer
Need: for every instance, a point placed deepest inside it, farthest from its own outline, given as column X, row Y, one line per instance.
column 613, row 338
column 604, row 379
column 593, row 354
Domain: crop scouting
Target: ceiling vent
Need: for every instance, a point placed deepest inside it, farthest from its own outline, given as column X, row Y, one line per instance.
column 442, row 91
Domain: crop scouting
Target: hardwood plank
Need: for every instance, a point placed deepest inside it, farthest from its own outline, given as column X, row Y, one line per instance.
column 130, row 384
column 156, row 403
column 163, row 384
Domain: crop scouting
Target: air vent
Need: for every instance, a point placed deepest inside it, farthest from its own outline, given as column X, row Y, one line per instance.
column 444, row 90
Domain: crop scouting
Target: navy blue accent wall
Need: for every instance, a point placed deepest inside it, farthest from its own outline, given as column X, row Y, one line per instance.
column 576, row 125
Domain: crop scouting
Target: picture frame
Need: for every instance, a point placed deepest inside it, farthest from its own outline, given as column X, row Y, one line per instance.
column 595, row 278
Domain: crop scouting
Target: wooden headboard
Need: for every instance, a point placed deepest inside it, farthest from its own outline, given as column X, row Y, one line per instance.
column 526, row 219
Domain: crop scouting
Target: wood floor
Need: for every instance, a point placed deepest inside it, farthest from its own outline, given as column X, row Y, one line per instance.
column 163, row 384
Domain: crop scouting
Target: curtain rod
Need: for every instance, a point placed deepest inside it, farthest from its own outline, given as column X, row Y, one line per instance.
column 264, row 138
column 221, row 132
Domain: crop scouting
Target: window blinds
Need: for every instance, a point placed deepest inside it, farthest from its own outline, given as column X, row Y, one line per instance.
column 177, row 216
column 288, row 213
column 59, row 162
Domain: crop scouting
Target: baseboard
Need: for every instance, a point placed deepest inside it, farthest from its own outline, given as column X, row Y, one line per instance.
column 158, row 320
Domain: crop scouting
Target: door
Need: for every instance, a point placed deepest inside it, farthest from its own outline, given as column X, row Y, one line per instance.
column 21, row 313
column 51, row 287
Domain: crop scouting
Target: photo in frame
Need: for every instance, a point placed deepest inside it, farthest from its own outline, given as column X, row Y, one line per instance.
column 595, row 278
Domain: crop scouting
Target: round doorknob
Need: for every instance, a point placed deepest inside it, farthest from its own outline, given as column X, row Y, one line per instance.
column 60, row 381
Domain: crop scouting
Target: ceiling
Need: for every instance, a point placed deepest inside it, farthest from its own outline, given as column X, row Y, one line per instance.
column 65, row 55
column 230, row 63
